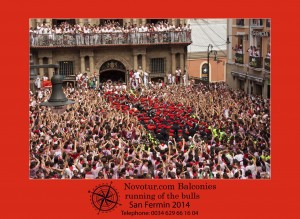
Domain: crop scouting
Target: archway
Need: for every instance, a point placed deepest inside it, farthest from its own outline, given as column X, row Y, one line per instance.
column 112, row 70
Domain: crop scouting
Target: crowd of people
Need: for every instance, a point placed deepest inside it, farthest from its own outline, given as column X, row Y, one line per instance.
column 152, row 132
column 108, row 33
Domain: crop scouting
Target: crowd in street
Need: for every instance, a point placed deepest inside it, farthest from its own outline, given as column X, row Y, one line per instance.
column 152, row 132
column 108, row 33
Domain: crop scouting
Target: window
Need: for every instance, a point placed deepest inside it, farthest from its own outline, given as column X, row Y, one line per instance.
column 157, row 65
column 66, row 68
column 268, row 23
column 87, row 63
column 257, row 22
column 240, row 22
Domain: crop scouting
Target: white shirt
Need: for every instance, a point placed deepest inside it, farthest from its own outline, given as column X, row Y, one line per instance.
column 136, row 75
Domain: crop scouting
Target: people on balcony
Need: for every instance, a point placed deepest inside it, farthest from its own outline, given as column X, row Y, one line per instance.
column 109, row 33
column 253, row 51
column 238, row 49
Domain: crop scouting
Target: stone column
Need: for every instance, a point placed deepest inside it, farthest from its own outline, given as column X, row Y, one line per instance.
column 41, row 70
column 82, row 65
column 182, row 21
column 135, row 21
column 174, row 22
column 144, row 62
column 126, row 21
column 181, row 66
column 91, row 65
column 135, row 62
column 48, row 21
column 143, row 21
column 50, row 70
column 173, row 63
column 38, row 21
column 80, row 22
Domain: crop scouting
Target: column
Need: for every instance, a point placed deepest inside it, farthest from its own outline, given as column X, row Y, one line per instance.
column 134, row 21
column 41, row 70
column 143, row 21
column 90, row 21
column 80, row 22
column 181, row 66
column 38, row 21
column 135, row 62
column 82, row 65
column 144, row 62
column 31, row 23
column 173, row 63
column 51, row 70
column 181, row 22
column 91, row 65
column 48, row 21
column 126, row 21
column 174, row 22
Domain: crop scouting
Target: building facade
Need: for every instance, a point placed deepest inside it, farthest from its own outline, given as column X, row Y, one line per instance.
column 208, row 49
column 110, row 48
column 249, row 55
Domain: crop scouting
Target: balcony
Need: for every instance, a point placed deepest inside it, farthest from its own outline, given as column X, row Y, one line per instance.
column 257, row 23
column 240, row 22
column 108, row 39
column 239, row 58
column 267, row 64
column 255, row 62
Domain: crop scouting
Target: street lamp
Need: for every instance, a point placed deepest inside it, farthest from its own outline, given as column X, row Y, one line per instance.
column 208, row 56
column 208, row 53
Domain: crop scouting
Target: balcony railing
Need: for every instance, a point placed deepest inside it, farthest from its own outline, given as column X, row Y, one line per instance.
column 255, row 62
column 239, row 58
column 240, row 22
column 116, row 38
column 267, row 64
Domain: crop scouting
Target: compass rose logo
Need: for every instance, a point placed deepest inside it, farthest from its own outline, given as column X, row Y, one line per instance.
column 104, row 198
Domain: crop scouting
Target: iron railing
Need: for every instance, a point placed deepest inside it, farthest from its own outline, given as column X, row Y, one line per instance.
column 267, row 64
column 239, row 58
column 255, row 62
column 113, row 38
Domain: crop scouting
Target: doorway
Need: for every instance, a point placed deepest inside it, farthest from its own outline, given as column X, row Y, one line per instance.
column 113, row 75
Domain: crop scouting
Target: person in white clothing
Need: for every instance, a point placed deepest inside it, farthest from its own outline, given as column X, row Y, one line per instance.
column 37, row 82
column 169, row 78
column 137, row 78
column 146, row 76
